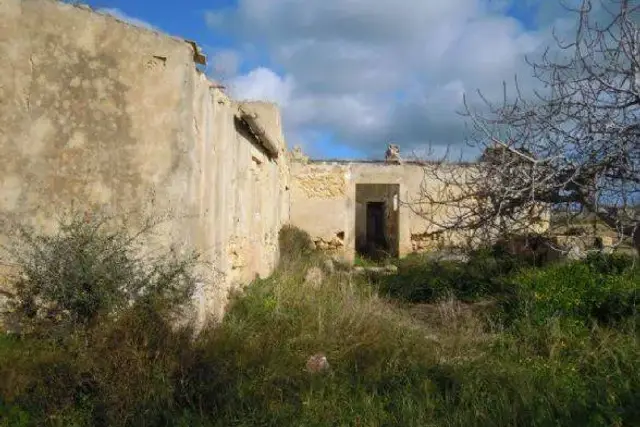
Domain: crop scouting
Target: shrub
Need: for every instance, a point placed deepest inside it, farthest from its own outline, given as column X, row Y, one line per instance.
column 601, row 288
column 101, row 347
column 423, row 280
column 295, row 245
column 615, row 263
column 519, row 251
column 84, row 273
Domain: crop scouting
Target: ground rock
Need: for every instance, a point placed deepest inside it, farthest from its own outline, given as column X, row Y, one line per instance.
column 314, row 277
column 391, row 268
column 387, row 269
column 318, row 363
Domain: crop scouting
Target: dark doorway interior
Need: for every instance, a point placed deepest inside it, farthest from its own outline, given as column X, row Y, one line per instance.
column 376, row 226
column 377, row 220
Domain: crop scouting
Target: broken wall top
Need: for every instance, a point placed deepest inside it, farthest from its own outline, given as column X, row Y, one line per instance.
column 264, row 121
column 198, row 57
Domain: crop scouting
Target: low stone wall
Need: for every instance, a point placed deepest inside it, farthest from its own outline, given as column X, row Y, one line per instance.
column 422, row 242
column 336, row 244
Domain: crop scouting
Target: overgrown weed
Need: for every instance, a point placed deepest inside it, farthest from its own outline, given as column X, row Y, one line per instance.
column 391, row 362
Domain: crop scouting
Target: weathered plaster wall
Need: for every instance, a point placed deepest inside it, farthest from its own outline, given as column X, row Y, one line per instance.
column 104, row 116
column 320, row 203
column 323, row 199
column 243, row 194
column 323, row 202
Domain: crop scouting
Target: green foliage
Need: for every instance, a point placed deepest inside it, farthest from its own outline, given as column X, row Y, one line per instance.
column 519, row 251
column 295, row 245
column 361, row 261
column 579, row 375
column 125, row 372
column 602, row 288
column 85, row 272
column 421, row 280
column 554, row 361
column 253, row 365
column 98, row 345
column 616, row 263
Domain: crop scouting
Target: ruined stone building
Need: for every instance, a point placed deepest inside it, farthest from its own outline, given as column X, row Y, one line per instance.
column 355, row 206
column 376, row 208
column 112, row 118
column 108, row 117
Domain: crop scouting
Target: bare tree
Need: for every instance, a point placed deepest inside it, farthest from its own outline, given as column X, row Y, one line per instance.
column 573, row 146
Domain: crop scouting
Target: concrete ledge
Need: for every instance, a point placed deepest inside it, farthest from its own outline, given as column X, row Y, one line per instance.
column 252, row 119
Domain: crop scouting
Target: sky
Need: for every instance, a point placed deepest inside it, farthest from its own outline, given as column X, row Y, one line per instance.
column 352, row 76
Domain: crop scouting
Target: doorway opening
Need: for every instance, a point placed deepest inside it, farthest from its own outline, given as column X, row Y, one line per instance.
column 377, row 220
column 376, row 225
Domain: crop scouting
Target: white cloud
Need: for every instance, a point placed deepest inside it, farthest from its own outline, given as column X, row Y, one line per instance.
column 262, row 84
column 371, row 71
column 117, row 13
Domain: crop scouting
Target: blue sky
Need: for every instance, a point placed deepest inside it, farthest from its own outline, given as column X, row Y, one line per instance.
column 352, row 76
column 185, row 19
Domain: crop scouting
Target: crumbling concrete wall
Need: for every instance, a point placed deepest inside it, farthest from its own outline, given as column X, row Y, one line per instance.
column 99, row 115
column 323, row 200
column 323, row 203
column 244, row 197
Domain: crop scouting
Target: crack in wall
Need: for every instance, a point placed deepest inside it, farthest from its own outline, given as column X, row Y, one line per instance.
column 30, row 90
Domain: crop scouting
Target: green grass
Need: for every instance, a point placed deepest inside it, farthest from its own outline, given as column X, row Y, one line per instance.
column 431, row 360
column 602, row 290
column 362, row 261
column 423, row 280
